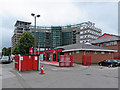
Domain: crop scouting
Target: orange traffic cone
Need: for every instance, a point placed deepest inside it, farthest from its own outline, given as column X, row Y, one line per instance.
column 42, row 70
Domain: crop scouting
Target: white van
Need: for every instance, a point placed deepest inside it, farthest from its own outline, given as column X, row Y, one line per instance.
column 5, row 59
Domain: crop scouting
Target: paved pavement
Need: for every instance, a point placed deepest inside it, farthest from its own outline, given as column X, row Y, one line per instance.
column 77, row 76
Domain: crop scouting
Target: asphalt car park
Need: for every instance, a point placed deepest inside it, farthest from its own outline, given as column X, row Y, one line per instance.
column 78, row 76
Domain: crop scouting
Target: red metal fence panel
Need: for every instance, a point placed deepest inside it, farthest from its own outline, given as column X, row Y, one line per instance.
column 26, row 62
column 16, row 62
column 65, row 61
column 35, row 63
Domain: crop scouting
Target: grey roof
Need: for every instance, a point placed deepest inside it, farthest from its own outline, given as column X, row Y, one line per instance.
column 108, row 39
column 18, row 21
column 75, row 47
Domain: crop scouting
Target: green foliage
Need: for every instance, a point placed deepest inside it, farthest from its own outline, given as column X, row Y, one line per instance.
column 26, row 41
column 6, row 51
column 15, row 49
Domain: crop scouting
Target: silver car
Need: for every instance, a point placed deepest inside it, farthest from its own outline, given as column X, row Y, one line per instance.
column 5, row 59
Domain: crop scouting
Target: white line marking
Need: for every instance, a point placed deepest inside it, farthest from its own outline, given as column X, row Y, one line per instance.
column 19, row 74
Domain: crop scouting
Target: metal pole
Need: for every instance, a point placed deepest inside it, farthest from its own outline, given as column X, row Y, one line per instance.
column 35, row 16
column 35, row 36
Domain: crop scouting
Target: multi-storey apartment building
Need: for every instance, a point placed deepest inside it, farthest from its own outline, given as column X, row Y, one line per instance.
column 87, row 32
column 20, row 27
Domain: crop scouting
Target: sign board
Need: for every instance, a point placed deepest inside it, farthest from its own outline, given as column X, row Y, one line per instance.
column 35, row 58
column 21, row 58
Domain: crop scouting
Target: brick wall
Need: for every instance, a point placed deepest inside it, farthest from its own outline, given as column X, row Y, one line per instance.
column 113, row 47
column 119, row 49
column 95, row 58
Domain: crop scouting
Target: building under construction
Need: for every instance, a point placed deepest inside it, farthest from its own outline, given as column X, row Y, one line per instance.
column 48, row 38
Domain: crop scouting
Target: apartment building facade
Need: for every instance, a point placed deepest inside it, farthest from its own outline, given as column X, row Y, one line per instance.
column 20, row 27
column 49, row 37
column 87, row 32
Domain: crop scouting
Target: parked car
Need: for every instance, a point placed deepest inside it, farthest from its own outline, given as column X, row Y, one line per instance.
column 5, row 59
column 111, row 63
column 118, row 61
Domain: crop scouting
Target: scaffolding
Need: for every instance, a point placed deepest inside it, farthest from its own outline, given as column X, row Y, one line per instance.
column 56, row 36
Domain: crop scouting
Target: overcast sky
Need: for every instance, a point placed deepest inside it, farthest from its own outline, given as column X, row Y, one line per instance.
column 103, row 14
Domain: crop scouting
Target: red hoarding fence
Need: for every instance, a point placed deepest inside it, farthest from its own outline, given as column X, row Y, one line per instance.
column 27, row 62
column 65, row 61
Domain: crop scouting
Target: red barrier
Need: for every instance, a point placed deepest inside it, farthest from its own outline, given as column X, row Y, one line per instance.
column 26, row 62
column 16, row 62
column 65, row 61
column 86, row 60
column 35, row 62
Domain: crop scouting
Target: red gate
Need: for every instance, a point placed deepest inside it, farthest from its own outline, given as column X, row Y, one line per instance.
column 65, row 61
column 86, row 60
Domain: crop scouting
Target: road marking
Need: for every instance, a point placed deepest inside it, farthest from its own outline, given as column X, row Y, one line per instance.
column 19, row 74
column 21, row 80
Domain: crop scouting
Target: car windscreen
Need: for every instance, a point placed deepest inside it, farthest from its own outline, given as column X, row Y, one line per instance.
column 5, row 57
column 108, row 61
column 115, row 60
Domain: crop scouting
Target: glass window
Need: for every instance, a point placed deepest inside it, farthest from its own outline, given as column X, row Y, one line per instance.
column 109, row 53
column 73, row 52
column 69, row 53
column 41, row 57
column 87, row 52
column 108, row 44
column 102, row 52
column 95, row 52
column 111, row 43
column 77, row 52
column 98, row 44
column 115, row 43
column 104, row 44
column 81, row 32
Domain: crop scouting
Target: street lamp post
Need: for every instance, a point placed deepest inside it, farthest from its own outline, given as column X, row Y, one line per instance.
column 32, row 14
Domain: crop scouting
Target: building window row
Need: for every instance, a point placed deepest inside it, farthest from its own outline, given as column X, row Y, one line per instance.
column 89, row 31
column 88, row 36
column 108, row 44
column 84, row 41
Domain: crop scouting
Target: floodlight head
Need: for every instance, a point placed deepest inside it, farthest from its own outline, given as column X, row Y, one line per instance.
column 32, row 14
column 38, row 15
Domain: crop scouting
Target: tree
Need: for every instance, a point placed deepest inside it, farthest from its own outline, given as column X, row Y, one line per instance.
column 6, row 51
column 26, row 41
column 15, row 49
